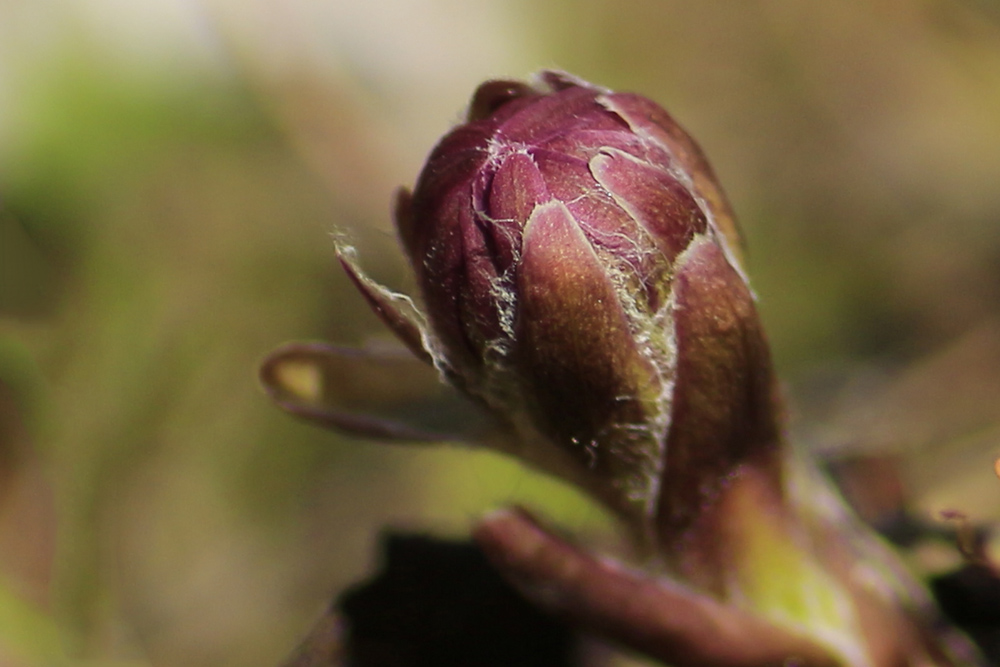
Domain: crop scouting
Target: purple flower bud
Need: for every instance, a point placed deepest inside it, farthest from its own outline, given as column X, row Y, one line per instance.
column 579, row 267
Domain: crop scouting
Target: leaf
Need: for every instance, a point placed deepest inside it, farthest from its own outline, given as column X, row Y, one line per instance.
column 382, row 393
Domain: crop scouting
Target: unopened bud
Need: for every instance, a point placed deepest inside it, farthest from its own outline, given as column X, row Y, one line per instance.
column 579, row 269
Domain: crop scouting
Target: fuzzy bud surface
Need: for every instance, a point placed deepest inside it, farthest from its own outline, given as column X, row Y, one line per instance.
column 579, row 267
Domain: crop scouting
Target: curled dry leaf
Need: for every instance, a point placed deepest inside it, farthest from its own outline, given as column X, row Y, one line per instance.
column 379, row 392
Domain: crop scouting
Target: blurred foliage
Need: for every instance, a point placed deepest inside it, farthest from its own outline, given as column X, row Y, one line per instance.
column 165, row 221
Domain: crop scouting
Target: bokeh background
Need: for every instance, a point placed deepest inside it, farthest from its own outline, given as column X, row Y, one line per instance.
column 171, row 173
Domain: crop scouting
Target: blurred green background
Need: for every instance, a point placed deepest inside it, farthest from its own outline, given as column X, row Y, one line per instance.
column 171, row 172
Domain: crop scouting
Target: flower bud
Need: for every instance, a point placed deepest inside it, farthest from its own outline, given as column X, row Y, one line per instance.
column 579, row 267
column 579, row 272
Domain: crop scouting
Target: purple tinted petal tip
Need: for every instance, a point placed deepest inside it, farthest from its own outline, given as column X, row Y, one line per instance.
column 557, row 80
column 492, row 95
